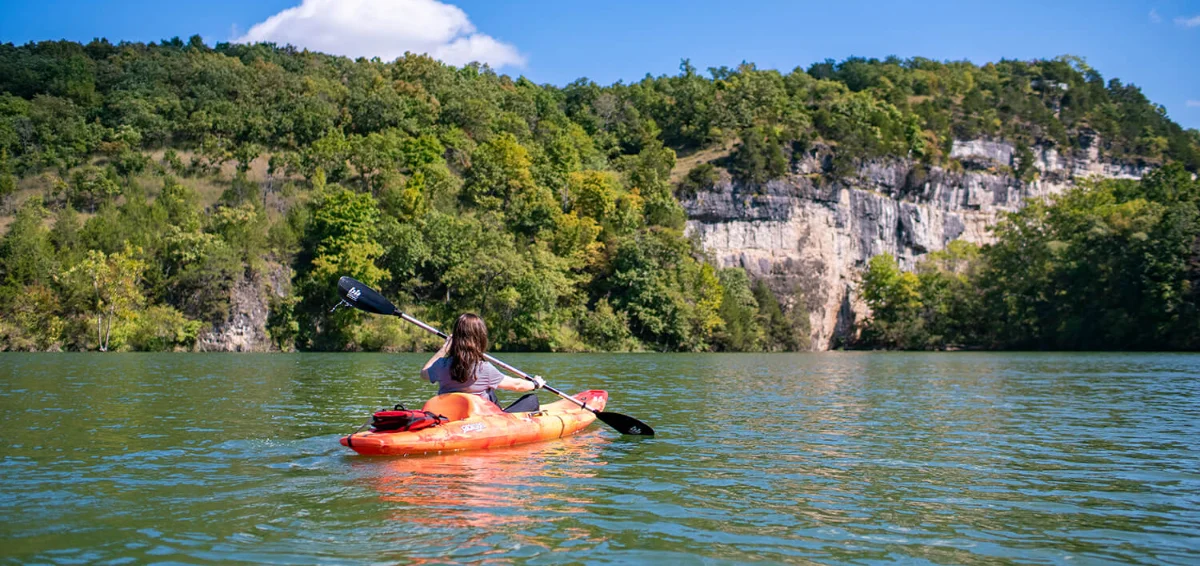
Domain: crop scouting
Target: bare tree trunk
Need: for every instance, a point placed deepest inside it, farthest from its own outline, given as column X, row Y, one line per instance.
column 99, row 331
column 108, row 328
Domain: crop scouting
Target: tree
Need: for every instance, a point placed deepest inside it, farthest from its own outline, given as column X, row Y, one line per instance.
column 339, row 240
column 245, row 154
column 341, row 236
column 500, row 179
column 160, row 328
column 107, row 288
column 607, row 329
column 894, row 299
column 200, row 270
column 243, row 228
column 759, row 157
column 123, row 150
column 374, row 155
column 92, row 186
column 741, row 331
column 407, row 202
column 329, row 155
column 594, row 193
column 8, row 181
column 648, row 173
column 26, row 253
column 672, row 300
column 781, row 333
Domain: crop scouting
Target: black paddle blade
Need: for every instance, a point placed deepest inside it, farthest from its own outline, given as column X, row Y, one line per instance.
column 625, row 424
column 362, row 297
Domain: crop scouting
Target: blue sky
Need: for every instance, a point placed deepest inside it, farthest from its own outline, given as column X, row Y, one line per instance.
column 1154, row 45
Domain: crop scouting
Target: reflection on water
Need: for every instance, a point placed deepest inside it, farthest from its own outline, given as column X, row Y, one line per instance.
column 831, row 458
column 493, row 489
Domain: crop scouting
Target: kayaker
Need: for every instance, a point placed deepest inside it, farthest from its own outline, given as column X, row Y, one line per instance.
column 459, row 367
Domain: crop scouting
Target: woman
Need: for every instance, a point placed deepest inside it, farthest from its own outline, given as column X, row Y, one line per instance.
column 459, row 367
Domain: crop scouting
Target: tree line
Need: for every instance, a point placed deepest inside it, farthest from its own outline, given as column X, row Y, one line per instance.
column 1109, row 265
column 145, row 181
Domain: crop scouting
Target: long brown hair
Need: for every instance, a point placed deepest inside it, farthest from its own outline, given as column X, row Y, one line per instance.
column 467, row 346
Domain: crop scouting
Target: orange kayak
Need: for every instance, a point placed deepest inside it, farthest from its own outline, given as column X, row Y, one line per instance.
column 477, row 423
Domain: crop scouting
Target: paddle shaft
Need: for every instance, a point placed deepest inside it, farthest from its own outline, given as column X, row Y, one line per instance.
column 489, row 358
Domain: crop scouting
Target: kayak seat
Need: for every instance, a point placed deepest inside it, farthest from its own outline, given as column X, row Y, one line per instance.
column 459, row 406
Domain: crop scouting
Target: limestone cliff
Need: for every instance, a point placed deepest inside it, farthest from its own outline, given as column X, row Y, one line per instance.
column 245, row 330
column 814, row 232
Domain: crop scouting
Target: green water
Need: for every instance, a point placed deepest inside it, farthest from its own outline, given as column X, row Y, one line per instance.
column 827, row 458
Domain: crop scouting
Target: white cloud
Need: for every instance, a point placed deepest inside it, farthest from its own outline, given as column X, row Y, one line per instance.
column 384, row 29
column 1193, row 104
column 1188, row 22
column 1154, row 17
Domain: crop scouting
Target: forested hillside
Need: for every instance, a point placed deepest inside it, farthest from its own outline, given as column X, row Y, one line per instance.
column 142, row 184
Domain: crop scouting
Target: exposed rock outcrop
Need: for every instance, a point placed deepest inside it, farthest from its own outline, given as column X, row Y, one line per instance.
column 816, row 233
column 246, row 328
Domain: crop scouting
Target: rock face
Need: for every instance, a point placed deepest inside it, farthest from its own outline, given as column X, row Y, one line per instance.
column 246, row 328
column 814, row 233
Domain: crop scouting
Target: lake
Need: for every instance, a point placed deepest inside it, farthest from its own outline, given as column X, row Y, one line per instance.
column 947, row 458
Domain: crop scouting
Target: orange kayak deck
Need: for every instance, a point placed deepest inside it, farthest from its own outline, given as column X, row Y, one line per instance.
column 476, row 423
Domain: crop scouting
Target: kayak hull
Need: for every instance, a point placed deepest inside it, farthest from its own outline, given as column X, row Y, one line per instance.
column 479, row 424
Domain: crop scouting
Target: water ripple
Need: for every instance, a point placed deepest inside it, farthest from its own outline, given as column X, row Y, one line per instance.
column 833, row 458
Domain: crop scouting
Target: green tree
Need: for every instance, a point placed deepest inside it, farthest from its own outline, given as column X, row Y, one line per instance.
column 594, row 193
column 92, row 186
column 648, row 173
column 500, row 178
column 160, row 328
column 8, row 181
column 895, row 302
column 672, row 300
column 759, row 157
column 26, row 251
column 329, row 155
column 340, row 240
column 741, row 331
column 607, row 329
column 243, row 228
column 781, row 333
column 106, row 287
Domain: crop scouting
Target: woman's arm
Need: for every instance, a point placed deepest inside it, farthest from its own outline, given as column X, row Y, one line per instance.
column 441, row 353
column 517, row 384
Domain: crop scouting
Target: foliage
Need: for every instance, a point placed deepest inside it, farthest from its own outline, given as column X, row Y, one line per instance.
column 26, row 252
column 162, row 328
column 551, row 211
column 339, row 241
column 759, row 157
column 783, row 330
column 1111, row 265
column 671, row 299
column 700, row 177
column 742, row 330
column 608, row 329
column 106, row 287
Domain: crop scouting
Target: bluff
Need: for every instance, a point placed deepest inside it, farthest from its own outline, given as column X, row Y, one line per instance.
column 245, row 327
column 814, row 232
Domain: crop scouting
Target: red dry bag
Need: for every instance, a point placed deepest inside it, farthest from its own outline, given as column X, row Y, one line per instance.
column 400, row 419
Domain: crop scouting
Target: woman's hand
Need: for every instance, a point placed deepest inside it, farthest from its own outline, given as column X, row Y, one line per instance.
column 445, row 347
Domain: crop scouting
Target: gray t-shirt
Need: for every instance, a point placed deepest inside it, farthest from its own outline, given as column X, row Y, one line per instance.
column 487, row 377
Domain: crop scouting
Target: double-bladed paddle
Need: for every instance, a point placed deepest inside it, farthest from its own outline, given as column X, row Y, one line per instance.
column 364, row 298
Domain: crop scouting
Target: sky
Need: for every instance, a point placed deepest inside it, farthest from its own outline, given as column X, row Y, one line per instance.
column 1154, row 45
